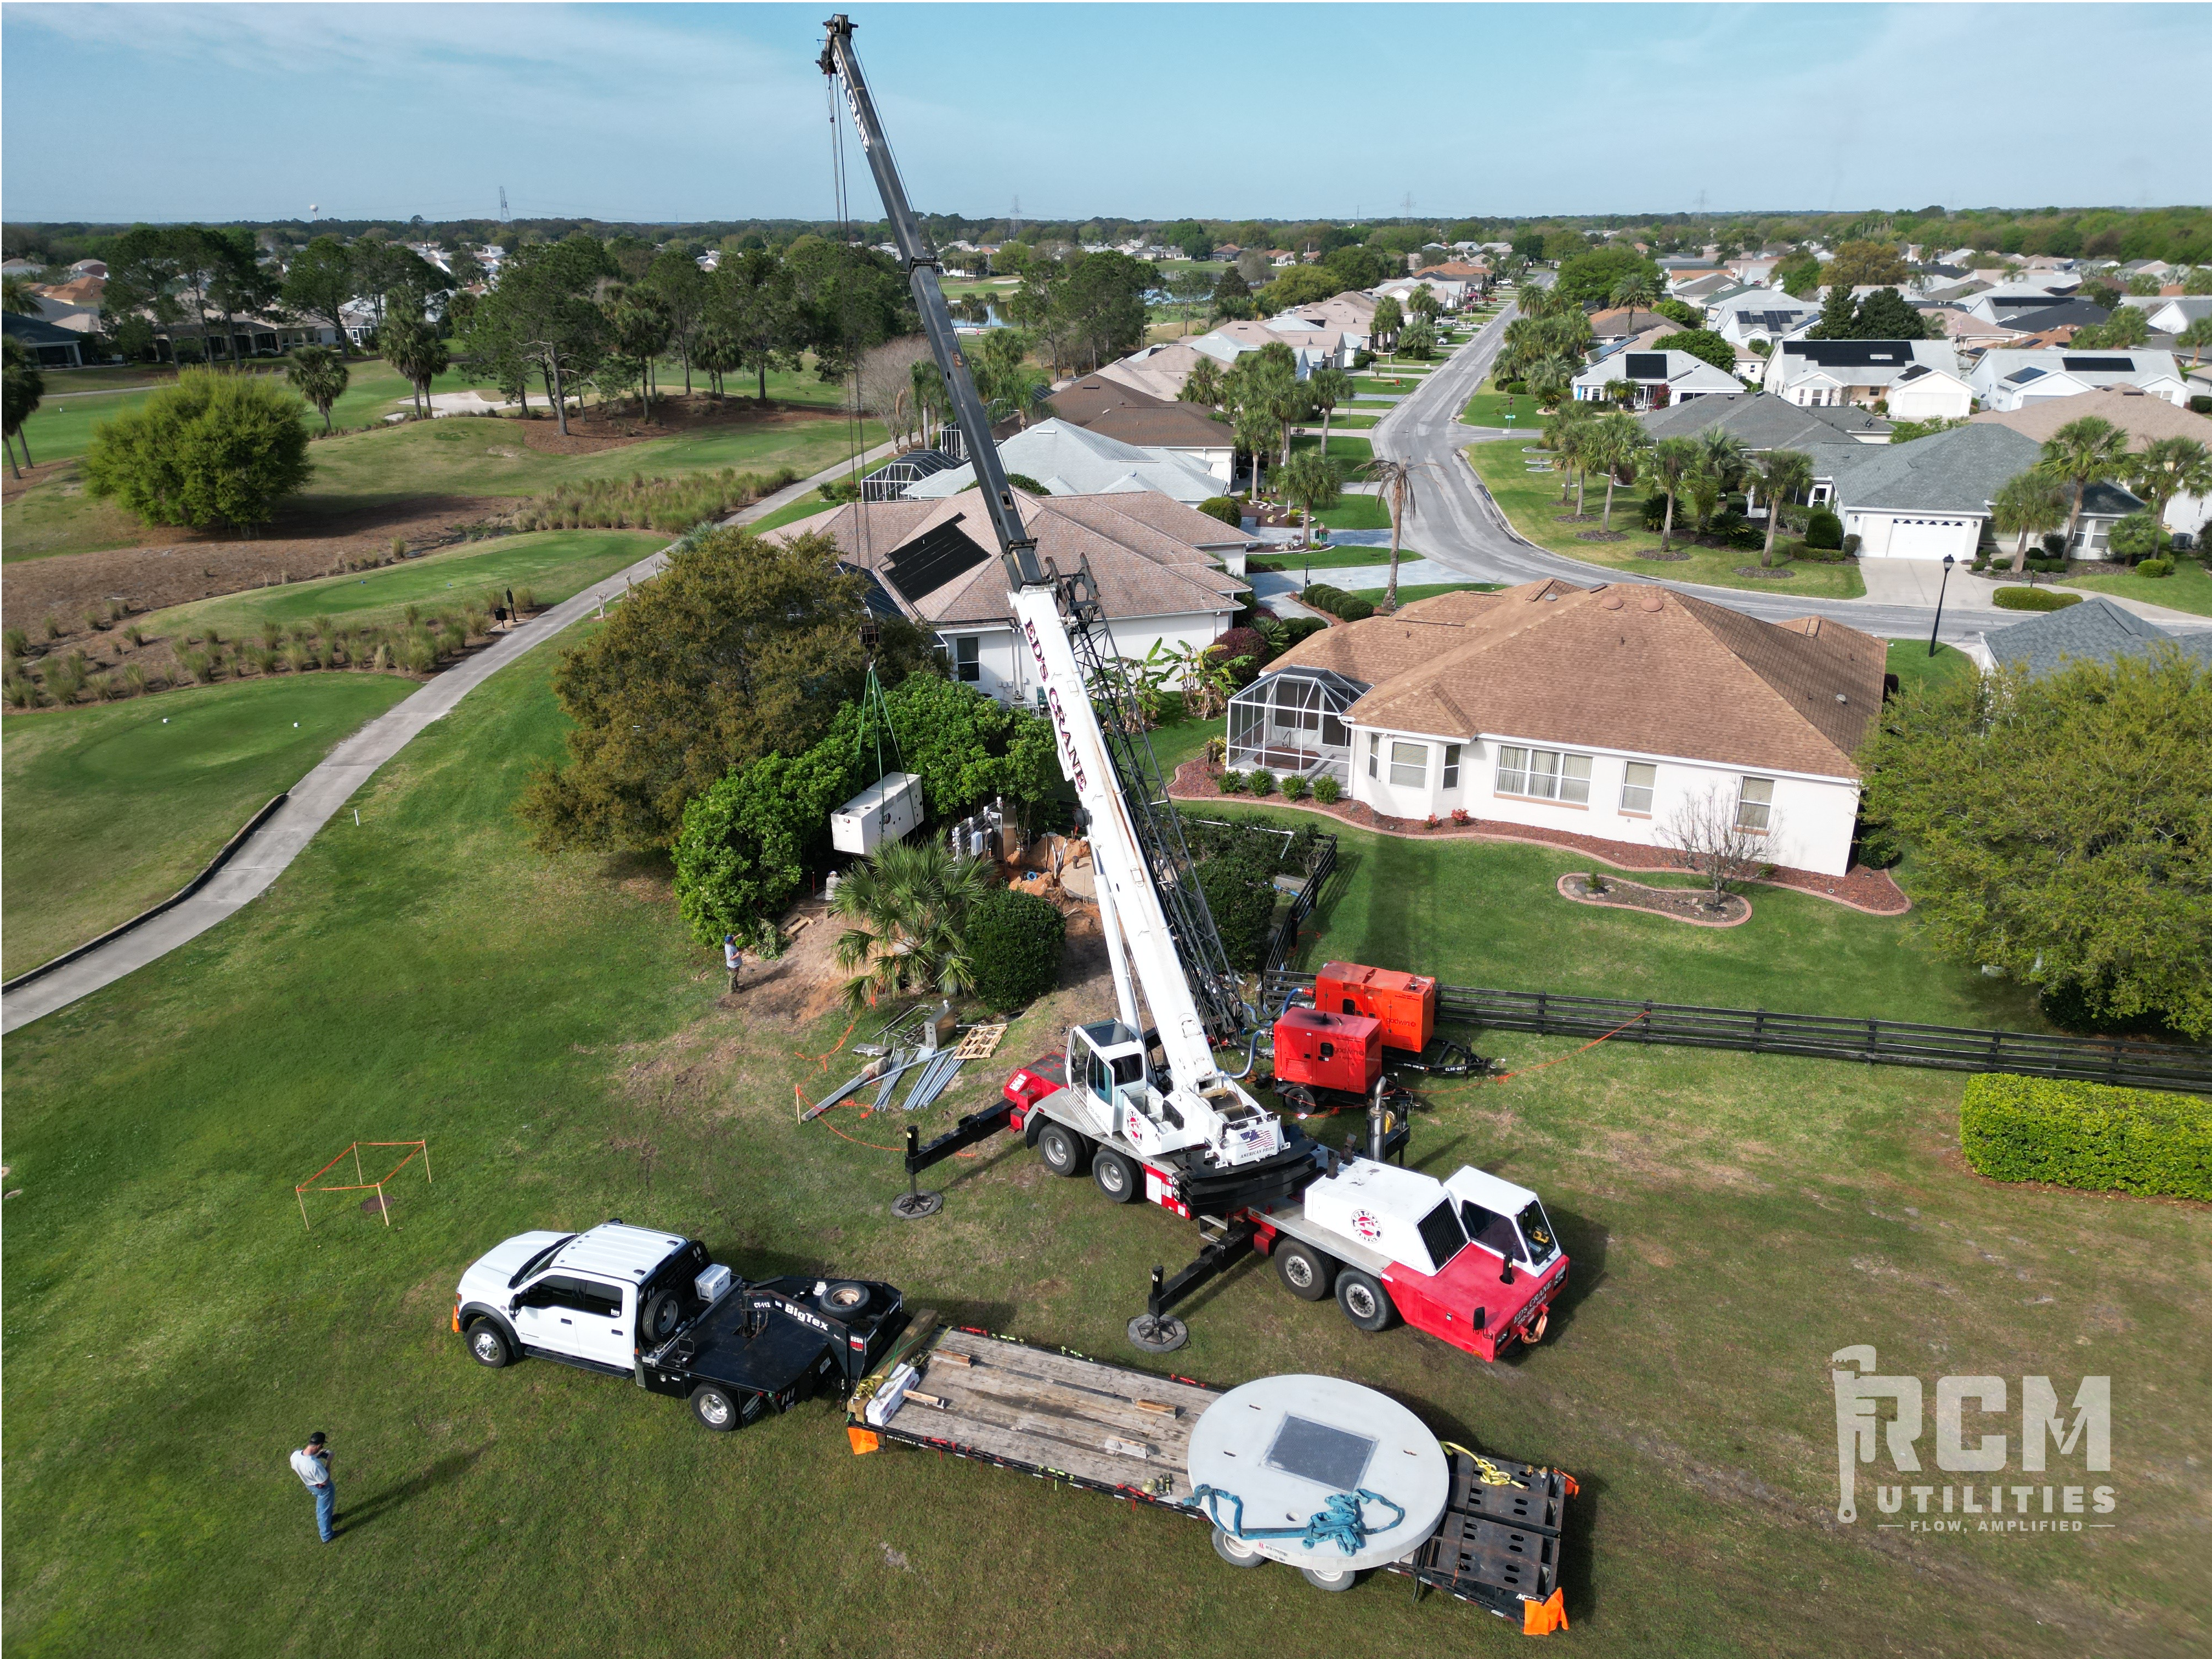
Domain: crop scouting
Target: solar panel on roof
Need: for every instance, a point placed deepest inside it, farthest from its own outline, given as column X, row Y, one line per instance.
column 1647, row 365
column 932, row 560
column 2102, row 365
column 1850, row 353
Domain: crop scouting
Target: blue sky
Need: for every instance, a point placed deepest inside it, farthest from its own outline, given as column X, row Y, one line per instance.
column 698, row 111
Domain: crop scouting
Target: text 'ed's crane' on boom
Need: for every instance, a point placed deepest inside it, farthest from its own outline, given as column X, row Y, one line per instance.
column 1142, row 1103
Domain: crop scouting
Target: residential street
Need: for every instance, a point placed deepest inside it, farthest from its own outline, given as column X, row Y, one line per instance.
column 1454, row 523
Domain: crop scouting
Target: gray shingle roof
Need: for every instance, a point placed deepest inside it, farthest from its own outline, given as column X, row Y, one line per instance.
column 2095, row 630
column 1954, row 471
column 1763, row 420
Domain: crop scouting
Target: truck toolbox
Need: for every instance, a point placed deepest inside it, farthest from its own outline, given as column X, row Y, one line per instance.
column 1405, row 1002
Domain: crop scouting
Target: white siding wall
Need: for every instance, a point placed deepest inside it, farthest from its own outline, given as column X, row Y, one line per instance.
column 1814, row 817
column 1914, row 535
column 1005, row 673
column 1930, row 397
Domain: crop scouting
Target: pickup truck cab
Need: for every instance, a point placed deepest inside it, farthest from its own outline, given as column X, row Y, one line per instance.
column 649, row 1306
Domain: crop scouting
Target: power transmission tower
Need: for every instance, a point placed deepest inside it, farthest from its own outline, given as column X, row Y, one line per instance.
column 502, row 205
column 1015, row 234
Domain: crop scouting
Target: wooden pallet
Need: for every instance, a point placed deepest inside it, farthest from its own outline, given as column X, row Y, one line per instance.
column 980, row 1042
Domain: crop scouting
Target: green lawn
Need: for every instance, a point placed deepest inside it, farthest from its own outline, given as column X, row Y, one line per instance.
column 461, row 456
column 552, row 564
column 113, row 807
column 1408, row 591
column 1733, row 1220
column 1531, row 501
column 1350, row 451
column 1296, row 560
column 2188, row 588
column 1490, row 407
column 1356, row 512
column 1343, row 422
column 1397, row 386
column 1909, row 662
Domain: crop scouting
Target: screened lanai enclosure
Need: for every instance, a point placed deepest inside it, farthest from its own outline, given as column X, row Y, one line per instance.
column 894, row 477
column 1291, row 722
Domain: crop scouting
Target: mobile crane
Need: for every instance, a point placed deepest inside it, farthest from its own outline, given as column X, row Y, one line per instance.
column 1148, row 1108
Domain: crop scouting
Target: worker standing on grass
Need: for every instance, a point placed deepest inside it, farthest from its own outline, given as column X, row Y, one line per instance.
column 312, row 1463
column 733, row 959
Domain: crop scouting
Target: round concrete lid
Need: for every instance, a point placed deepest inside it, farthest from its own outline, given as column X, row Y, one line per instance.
column 1286, row 1445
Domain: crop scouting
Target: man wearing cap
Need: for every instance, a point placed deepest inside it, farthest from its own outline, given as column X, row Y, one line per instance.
column 312, row 1463
column 733, row 959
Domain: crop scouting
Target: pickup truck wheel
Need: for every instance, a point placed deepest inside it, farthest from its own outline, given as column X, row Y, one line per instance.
column 713, row 1408
column 489, row 1347
column 662, row 1315
column 1236, row 1552
column 1061, row 1149
column 1306, row 1274
column 1364, row 1302
column 1341, row 1579
column 1114, row 1176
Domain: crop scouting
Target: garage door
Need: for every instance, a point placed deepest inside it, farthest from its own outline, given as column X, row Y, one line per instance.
column 1929, row 538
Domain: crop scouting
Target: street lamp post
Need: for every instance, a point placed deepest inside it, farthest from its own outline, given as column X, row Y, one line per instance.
column 1947, row 562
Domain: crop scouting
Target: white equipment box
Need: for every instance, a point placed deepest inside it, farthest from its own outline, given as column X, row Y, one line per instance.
column 889, row 811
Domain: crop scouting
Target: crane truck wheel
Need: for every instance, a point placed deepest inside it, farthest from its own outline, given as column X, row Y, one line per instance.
column 1236, row 1551
column 1061, row 1149
column 1364, row 1302
column 1342, row 1578
column 1306, row 1274
column 1114, row 1176
column 713, row 1408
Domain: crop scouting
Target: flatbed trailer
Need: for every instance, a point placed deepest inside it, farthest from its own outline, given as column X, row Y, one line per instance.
column 1120, row 1432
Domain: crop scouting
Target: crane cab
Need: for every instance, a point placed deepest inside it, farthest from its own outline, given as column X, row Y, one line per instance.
column 1111, row 1074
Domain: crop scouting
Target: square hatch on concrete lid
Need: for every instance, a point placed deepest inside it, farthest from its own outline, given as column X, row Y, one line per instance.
column 1405, row 1002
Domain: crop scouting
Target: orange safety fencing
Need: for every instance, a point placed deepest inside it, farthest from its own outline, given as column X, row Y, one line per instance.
column 360, row 1183
column 822, row 1064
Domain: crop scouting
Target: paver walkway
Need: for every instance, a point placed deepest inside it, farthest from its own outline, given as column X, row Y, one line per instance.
column 316, row 797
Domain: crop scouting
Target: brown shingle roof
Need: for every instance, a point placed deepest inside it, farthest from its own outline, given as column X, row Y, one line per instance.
column 1141, row 570
column 1627, row 666
column 2143, row 417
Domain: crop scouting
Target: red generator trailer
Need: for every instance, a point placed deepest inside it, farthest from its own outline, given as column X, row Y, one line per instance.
column 1404, row 1006
column 1327, row 1062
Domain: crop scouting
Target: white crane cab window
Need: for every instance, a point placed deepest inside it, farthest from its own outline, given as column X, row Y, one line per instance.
column 1527, row 1238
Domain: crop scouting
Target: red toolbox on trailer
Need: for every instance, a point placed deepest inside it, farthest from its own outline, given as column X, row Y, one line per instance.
column 1328, row 1051
column 1406, row 1004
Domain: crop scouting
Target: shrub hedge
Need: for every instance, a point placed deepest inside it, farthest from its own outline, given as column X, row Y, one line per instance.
column 1346, row 607
column 1014, row 945
column 1224, row 508
column 2087, row 1136
column 2033, row 598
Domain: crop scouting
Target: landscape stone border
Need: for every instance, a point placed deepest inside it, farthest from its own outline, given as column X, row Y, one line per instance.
column 1665, row 914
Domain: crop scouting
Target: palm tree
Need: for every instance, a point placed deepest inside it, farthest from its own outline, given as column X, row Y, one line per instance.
column 1202, row 386
column 1256, row 432
column 1704, row 488
column 908, row 904
column 1673, row 459
column 1617, row 443
column 1309, row 480
column 2196, row 337
column 2171, row 467
column 1327, row 387
column 1396, row 479
column 1724, row 456
column 1637, row 289
column 412, row 346
column 1549, row 378
column 2080, row 453
column 1568, row 433
column 318, row 375
column 25, row 386
column 1782, row 474
column 2028, row 505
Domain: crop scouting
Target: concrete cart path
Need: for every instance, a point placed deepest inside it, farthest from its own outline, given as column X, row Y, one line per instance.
column 318, row 797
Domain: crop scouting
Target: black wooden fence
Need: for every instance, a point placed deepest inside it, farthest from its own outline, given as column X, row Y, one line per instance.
column 1286, row 943
column 2126, row 1061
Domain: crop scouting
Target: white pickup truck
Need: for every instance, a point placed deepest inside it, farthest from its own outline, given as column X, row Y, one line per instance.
column 634, row 1303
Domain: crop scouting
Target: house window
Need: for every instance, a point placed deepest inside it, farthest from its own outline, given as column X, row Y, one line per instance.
column 1373, row 749
column 1546, row 773
column 1409, row 765
column 968, row 658
column 1636, row 787
column 1754, row 805
column 1451, row 766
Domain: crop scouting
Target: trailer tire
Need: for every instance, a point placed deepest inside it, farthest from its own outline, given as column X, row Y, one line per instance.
column 487, row 1345
column 1364, row 1302
column 1306, row 1274
column 1062, row 1149
column 1236, row 1551
column 1116, row 1177
column 1342, row 1579
column 663, row 1313
column 847, row 1298
column 714, row 1408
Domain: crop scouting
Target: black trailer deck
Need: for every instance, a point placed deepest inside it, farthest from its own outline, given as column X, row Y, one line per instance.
column 775, row 1342
column 1104, row 1428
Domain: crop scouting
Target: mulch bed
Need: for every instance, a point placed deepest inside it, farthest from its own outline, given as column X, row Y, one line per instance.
column 1602, row 536
column 1858, row 889
column 1776, row 574
column 1574, row 518
column 1692, row 904
column 1672, row 557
